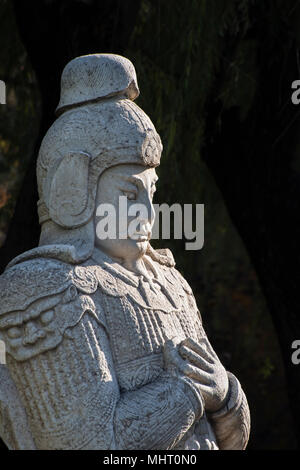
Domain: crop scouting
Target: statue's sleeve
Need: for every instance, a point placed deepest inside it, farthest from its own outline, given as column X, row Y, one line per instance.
column 231, row 424
column 13, row 420
column 157, row 415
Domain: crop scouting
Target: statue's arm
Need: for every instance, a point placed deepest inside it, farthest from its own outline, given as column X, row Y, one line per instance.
column 13, row 420
column 225, row 402
column 157, row 415
column 231, row 424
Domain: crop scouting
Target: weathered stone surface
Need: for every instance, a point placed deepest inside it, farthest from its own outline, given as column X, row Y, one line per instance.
column 105, row 344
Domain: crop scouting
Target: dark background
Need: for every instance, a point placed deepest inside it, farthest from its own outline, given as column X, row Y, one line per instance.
column 215, row 78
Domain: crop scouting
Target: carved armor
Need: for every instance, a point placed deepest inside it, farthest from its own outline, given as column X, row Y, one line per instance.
column 85, row 353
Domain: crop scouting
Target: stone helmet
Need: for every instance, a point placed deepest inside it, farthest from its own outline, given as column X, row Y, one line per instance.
column 94, row 77
column 98, row 127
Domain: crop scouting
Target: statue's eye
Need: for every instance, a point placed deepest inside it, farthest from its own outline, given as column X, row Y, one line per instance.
column 47, row 317
column 14, row 332
column 131, row 195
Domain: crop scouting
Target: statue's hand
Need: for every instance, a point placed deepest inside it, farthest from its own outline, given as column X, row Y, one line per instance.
column 173, row 361
column 203, row 366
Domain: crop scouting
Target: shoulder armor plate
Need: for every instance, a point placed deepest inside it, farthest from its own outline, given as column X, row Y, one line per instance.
column 39, row 300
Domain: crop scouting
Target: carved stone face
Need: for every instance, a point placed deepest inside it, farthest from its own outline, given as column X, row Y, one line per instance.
column 128, row 190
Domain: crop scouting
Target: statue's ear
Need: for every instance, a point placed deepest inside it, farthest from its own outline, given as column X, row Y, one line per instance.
column 69, row 190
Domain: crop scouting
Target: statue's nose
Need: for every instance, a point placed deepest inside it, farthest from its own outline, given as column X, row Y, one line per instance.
column 32, row 333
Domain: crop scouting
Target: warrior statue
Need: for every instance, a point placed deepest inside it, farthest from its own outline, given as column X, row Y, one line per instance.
column 105, row 347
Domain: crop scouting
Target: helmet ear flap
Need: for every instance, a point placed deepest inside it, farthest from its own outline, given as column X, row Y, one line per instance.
column 69, row 195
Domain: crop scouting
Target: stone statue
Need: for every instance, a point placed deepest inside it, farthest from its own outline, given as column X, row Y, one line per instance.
column 105, row 347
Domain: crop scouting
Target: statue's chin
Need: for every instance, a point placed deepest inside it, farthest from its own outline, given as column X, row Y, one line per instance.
column 124, row 250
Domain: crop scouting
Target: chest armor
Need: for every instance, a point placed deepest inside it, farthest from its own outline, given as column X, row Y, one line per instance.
column 141, row 317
